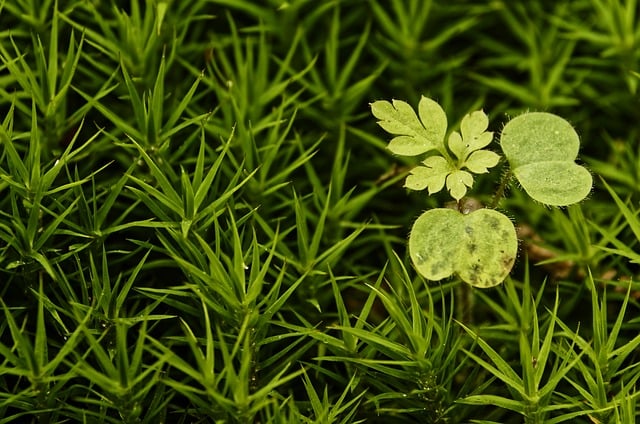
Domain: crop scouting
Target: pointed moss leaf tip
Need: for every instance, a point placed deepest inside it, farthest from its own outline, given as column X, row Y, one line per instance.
column 480, row 247
column 542, row 148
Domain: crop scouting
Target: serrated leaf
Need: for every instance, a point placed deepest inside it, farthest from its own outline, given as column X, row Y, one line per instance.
column 434, row 120
column 541, row 148
column 417, row 136
column 481, row 140
column 480, row 247
column 473, row 137
column 432, row 175
column 457, row 146
column 397, row 118
column 480, row 161
column 472, row 127
column 457, row 183
column 414, row 136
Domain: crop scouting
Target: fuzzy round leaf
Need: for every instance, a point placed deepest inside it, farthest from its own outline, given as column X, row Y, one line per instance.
column 488, row 249
column 480, row 247
column 541, row 149
column 434, row 242
column 539, row 181
column 538, row 137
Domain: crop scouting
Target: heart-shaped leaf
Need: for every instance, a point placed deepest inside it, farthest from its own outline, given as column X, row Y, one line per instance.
column 541, row 149
column 480, row 247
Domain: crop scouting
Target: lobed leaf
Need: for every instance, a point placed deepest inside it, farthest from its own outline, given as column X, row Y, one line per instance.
column 457, row 145
column 457, row 183
column 480, row 161
column 414, row 136
column 474, row 130
column 432, row 175
column 473, row 135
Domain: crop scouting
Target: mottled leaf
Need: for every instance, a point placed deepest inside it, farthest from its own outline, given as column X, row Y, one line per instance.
column 479, row 247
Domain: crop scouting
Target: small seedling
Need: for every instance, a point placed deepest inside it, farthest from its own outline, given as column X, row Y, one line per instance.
column 478, row 245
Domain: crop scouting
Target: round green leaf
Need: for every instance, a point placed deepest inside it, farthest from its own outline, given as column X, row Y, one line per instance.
column 480, row 247
column 488, row 249
column 539, row 180
column 434, row 242
column 541, row 149
column 538, row 137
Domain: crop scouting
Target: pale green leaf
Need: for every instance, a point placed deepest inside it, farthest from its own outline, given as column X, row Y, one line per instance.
column 479, row 141
column 405, row 145
column 432, row 175
column 479, row 161
column 555, row 183
column 421, row 177
column 541, row 149
column 413, row 137
column 473, row 127
column 480, row 247
column 472, row 138
column 491, row 246
column 397, row 118
column 434, row 242
column 538, row 137
column 457, row 183
column 457, row 146
column 434, row 120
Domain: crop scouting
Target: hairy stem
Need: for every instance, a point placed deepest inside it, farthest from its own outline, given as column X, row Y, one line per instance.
column 499, row 194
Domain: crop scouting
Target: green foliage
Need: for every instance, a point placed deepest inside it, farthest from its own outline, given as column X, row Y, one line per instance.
column 200, row 223
column 418, row 136
column 480, row 247
column 415, row 136
column 530, row 388
column 541, row 149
